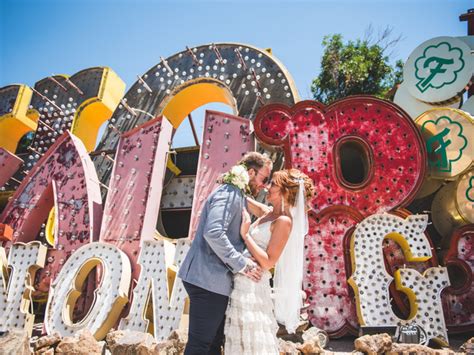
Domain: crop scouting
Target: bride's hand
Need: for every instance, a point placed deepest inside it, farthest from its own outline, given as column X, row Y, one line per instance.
column 245, row 226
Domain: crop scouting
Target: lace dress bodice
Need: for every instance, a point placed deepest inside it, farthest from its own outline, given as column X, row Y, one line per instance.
column 260, row 232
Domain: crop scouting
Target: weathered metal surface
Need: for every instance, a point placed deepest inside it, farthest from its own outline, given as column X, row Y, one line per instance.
column 178, row 193
column 110, row 295
column 62, row 100
column 157, row 268
column 395, row 259
column 370, row 279
column 226, row 139
column 415, row 107
column 8, row 97
column 15, row 291
column 9, row 164
column 453, row 205
column 64, row 177
column 312, row 137
column 331, row 298
column 133, row 200
column 250, row 77
column 458, row 300
column 175, row 211
column 425, row 291
column 14, row 118
column 449, row 140
column 57, row 102
column 79, row 104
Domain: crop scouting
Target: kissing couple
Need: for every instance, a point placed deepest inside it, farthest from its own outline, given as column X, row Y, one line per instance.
column 226, row 271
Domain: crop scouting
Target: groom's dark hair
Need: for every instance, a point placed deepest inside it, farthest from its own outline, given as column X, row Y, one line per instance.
column 254, row 160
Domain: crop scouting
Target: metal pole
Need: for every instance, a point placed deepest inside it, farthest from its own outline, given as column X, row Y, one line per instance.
column 469, row 17
column 196, row 139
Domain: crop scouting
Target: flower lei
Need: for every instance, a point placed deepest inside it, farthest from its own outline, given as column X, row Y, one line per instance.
column 237, row 176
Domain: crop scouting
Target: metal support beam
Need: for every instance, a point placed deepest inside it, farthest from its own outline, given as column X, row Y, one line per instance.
column 196, row 139
column 469, row 18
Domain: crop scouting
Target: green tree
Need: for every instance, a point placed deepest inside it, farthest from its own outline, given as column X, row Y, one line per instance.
column 356, row 67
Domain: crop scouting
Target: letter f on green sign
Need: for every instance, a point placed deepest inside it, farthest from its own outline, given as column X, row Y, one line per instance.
column 437, row 145
column 438, row 69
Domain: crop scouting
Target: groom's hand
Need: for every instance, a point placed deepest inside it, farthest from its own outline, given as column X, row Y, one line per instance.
column 252, row 271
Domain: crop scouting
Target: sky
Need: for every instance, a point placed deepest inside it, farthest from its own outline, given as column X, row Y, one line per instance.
column 42, row 37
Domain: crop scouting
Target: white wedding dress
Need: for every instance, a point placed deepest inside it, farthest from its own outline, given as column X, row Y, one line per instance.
column 250, row 325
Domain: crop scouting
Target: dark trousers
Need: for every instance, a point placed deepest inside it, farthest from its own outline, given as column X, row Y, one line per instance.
column 206, row 321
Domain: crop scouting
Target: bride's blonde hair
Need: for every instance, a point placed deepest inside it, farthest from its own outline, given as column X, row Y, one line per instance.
column 288, row 182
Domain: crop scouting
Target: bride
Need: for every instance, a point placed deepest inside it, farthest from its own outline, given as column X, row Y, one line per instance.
column 274, row 239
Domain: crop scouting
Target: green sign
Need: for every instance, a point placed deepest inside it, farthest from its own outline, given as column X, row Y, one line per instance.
column 470, row 190
column 436, row 146
column 438, row 67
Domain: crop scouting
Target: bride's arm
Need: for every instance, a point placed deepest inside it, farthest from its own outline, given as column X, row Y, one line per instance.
column 268, row 258
column 257, row 208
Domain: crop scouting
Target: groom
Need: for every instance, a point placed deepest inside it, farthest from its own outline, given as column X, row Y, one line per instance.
column 215, row 255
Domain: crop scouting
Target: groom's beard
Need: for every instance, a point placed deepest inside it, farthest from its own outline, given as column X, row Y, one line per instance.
column 253, row 188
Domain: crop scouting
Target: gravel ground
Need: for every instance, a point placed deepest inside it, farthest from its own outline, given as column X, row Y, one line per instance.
column 346, row 344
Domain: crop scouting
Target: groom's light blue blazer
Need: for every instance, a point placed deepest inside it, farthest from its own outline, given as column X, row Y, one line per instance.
column 216, row 251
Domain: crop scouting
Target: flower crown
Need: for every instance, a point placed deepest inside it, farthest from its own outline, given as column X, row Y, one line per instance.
column 237, row 176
